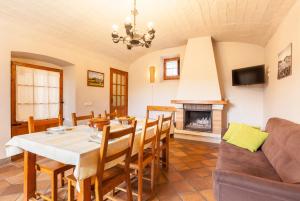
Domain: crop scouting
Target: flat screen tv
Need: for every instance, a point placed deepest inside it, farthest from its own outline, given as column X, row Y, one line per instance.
column 248, row 76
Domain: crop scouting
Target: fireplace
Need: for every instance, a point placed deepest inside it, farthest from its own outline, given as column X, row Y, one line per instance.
column 197, row 117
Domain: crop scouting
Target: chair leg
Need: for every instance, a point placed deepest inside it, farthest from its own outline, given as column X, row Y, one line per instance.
column 70, row 191
column 98, row 191
column 167, row 155
column 54, row 187
column 152, row 175
column 157, row 166
column 140, row 184
column 62, row 179
column 128, row 182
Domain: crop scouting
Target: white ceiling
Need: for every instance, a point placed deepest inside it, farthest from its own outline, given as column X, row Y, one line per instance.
column 87, row 23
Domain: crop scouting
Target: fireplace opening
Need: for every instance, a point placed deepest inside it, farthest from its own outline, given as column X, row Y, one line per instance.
column 198, row 119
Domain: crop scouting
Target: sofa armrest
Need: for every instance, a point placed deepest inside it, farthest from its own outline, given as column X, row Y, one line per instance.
column 232, row 186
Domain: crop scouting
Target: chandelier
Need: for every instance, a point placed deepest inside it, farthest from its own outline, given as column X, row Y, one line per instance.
column 134, row 37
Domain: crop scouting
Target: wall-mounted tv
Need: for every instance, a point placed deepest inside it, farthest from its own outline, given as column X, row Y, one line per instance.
column 248, row 76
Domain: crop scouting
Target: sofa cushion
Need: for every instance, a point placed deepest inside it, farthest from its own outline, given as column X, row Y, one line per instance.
column 248, row 138
column 239, row 160
column 282, row 148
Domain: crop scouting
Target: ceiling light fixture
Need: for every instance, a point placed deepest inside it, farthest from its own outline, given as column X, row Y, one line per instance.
column 134, row 37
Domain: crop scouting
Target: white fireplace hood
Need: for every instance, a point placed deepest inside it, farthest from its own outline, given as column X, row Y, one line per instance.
column 199, row 77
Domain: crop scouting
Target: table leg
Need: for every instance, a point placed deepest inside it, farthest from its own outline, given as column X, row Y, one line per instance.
column 85, row 190
column 29, row 175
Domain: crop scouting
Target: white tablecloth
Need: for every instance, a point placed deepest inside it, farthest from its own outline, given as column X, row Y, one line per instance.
column 73, row 147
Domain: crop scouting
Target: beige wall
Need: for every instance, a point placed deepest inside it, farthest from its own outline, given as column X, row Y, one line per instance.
column 141, row 92
column 282, row 97
column 17, row 39
column 199, row 78
column 246, row 102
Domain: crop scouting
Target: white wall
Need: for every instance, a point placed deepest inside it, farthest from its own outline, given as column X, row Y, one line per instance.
column 245, row 102
column 140, row 89
column 282, row 97
column 23, row 40
column 199, row 78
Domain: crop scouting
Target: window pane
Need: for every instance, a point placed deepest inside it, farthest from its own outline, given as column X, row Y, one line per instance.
column 53, row 79
column 53, row 95
column 41, row 95
column 114, row 78
column 40, row 77
column 37, row 93
column 24, row 94
column 172, row 72
column 24, row 75
column 41, row 111
column 118, row 79
column 23, row 112
column 172, row 64
column 114, row 89
column 114, row 101
column 123, row 80
column 118, row 100
column 53, row 110
column 119, row 90
column 122, row 100
column 123, row 90
column 172, row 68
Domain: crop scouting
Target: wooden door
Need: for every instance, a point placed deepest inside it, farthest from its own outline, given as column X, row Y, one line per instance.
column 119, row 91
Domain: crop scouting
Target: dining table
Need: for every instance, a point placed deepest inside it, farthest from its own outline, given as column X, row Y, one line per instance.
column 78, row 146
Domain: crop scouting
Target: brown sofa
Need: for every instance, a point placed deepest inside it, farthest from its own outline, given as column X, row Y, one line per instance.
column 270, row 174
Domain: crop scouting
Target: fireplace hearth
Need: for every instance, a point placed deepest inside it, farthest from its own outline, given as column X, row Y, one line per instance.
column 198, row 118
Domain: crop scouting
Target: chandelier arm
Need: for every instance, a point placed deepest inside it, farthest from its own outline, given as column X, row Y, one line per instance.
column 134, row 37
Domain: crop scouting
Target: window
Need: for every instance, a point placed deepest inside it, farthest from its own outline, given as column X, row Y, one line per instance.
column 172, row 68
column 36, row 91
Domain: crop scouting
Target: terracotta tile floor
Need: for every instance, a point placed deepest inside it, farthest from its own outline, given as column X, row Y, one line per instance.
column 189, row 177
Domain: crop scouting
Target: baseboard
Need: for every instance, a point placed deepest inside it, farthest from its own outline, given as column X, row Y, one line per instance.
column 197, row 136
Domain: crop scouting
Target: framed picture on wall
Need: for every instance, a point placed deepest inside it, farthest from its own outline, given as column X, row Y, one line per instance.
column 95, row 79
column 285, row 62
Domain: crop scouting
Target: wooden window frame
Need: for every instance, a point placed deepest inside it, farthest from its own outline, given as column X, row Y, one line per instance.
column 13, row 88
column 177, row 77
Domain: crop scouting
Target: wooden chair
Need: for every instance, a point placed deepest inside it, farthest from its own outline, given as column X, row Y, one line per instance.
column 163, row 110
column 50, row 167
column 111, row 115
column 163, row 141
column 145, row 158
column 76, row 118
column 107, row 179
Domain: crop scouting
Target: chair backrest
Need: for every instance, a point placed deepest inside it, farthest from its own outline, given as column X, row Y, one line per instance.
column 148, row 138
column 111, row 115
column 164, row 127
column 76, row 118
column 43, row 124
column 110, row 153
column 161, row 109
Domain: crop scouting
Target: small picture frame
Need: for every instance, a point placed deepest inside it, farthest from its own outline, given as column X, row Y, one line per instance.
column 95, row 79
column 285, row 62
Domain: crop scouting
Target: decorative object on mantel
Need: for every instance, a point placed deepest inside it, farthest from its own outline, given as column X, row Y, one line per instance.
column 285, row 62
column 134, row 37
column 95, row 79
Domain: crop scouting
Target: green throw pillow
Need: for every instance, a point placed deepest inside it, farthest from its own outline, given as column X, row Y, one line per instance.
column 233, row 128
column 248, row 138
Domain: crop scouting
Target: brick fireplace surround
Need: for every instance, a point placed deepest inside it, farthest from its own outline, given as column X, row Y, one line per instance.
column 199, row 120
